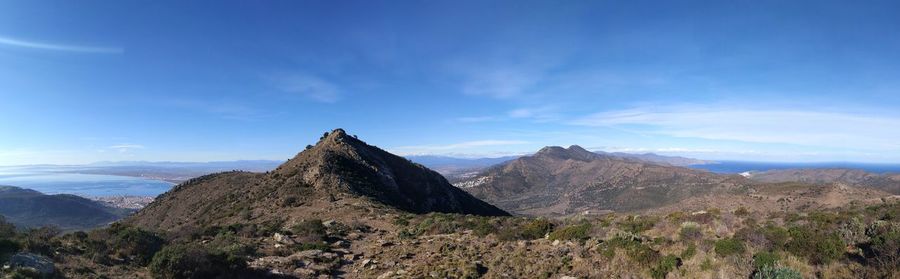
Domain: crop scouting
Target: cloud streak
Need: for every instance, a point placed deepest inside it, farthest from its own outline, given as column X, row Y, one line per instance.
column 309, row 86
column 126, row 147
column 783, row 126
column 452, row 148
column 7, row 41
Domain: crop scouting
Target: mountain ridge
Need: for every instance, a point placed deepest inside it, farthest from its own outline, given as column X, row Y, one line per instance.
column 338, row 173
column 562, row 181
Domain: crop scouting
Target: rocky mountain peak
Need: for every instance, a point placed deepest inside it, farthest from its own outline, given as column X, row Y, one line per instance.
column 337, row 167
column 574, row 152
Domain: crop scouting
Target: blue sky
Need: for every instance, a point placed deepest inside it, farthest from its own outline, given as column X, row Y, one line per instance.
column 217, row 80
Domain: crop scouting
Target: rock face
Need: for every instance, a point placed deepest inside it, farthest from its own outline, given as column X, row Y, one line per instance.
column 852, row 177
column 38, row 263
column 562, row 181
column 338, row 167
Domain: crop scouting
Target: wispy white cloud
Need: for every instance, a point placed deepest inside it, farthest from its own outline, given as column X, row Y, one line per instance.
column 7, row 41
column 500, row 83
column 476, row 119
column 673, row 150
column 309, row 86
column 460, row 147
column 126, row 147
column 538, row 114
column 228, row 109
column 763, row 125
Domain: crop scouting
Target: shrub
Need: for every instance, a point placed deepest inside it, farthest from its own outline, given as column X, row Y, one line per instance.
column 884, row 247
column 741, row 211
column 288, row 201
column 134, row 244
column 6, row 229
column 689, row 252
column 729, row 246
column 533, row 229
column 817, row 246
column 636, row 224
column 191, row 261
column 536, row 229
column 664, row 266
column 40, row 240
column 690, row 231
column 777, row 236
column 312, row 229
column 676, row 217
column 7, row 249
column 773, row 272
column 573, row 232
column 401, row 220
column 706, row 265
column 635, row 249
column 762, row 259
column 482, row 227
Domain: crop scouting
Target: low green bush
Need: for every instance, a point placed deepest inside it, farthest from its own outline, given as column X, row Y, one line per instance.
column 883, row 249
column 537, row 228
column 192, row 261
column 777, row 236
column 524, row 229
column 134, row 245
column 7, row 229
column 8, row 247
column 638, row 224
column 689, row 252
column 573, row 232
column 729, row 246
column 635, row 249
column 773, row 272
column 690, row 232
column 311, row 230
column 818, row 246
column 664, row 266
column 762, row 259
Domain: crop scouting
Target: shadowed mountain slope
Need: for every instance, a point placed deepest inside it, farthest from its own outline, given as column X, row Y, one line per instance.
column 29, row 208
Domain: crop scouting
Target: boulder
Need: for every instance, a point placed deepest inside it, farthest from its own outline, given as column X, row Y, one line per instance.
column 41, row 264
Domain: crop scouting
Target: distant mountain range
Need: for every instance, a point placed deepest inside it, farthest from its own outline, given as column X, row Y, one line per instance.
column 558, row 181
column 660, row 159
column 562, row 181
column 460, row 168
column 28, row 208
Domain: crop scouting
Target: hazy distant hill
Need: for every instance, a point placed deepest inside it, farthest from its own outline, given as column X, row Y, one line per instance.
column 852, row 177
column 175, row 172
column 660, row 159
column 559, row 181
column 442, row 162
column 338, row 167
column 29, row 208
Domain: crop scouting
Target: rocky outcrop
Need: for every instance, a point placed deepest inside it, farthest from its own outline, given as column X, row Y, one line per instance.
column 37, row 263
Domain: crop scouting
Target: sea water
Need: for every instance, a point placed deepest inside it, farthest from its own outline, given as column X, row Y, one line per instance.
column 50, row 181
